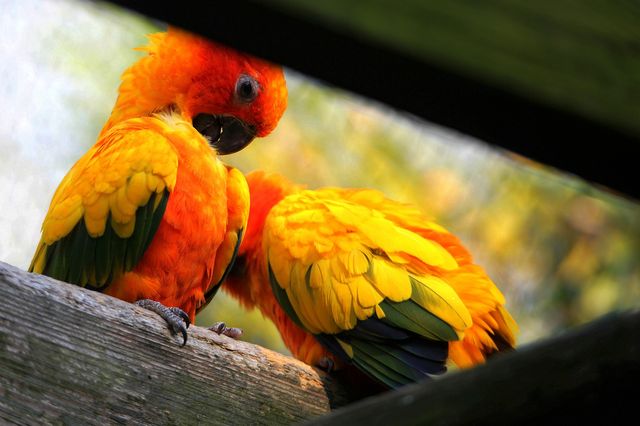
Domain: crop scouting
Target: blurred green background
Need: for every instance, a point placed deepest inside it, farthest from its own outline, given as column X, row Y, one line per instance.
column 563, row 252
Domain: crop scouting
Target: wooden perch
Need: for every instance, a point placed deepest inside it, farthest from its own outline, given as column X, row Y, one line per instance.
column 587, row 376
column 73, row 356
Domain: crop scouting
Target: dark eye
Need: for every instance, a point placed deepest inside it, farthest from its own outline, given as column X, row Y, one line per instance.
column 246, row 88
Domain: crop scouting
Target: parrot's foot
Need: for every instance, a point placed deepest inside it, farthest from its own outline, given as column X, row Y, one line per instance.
column 176, row 318
column 221, row 328
column 326, row 364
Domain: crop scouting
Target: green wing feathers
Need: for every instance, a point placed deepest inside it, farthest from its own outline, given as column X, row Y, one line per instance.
column 94, row 262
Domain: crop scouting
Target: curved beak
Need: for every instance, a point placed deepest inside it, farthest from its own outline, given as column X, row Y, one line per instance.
column 226, row 134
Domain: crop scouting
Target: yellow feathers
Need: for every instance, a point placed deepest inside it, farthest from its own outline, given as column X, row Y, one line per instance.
column 238, row 214
column 338, row 261
column 438, row 297
column 113, row 179
column 391, row 280
column 62, row 218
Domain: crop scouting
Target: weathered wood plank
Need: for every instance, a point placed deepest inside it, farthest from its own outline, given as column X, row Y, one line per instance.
column 587, row 376
column 73, row 356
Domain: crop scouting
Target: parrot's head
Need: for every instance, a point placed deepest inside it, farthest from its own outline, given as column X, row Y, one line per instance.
column 228, row 96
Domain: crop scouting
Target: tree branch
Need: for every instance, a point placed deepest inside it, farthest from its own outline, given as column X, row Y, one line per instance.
column 69, row 355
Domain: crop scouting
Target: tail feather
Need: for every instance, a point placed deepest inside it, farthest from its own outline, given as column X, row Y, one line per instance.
column 438, row 352
column 392, row 356
column 493, row 328
column 376, row 330
column 380, row 372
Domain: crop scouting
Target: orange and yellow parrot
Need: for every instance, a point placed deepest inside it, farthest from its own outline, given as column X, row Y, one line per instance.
column 150, row 214
column 351, row 278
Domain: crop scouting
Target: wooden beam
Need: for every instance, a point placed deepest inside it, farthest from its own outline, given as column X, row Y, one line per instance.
column 586, row 376
column 69, row 355
column 556, row 83
column 73, row 356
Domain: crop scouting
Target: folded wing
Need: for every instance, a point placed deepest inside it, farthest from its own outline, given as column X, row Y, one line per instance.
column 107, row 209
column 366, row 287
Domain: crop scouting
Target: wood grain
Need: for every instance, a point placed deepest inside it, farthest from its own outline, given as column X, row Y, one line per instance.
column 73, row 356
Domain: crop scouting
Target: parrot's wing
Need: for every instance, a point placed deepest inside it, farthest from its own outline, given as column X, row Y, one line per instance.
column 409, row 217
column 363, row 285
column 237, row 216
column 107, row 209
column 493, row 328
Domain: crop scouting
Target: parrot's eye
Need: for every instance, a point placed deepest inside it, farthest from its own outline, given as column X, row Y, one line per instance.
column 246, row 88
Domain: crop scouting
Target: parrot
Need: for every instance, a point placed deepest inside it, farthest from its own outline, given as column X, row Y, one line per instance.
column 353, row 279
column 150, row 214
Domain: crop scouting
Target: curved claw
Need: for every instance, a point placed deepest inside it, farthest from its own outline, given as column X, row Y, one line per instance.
column 182, row 314
column 221, row 328
column 218, row 327
column 176, row 318
column 182, row 330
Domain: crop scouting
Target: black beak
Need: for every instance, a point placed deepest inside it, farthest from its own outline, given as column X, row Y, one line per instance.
column 226, row 134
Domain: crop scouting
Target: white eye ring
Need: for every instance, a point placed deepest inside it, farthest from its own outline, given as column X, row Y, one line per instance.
column 247, row 88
